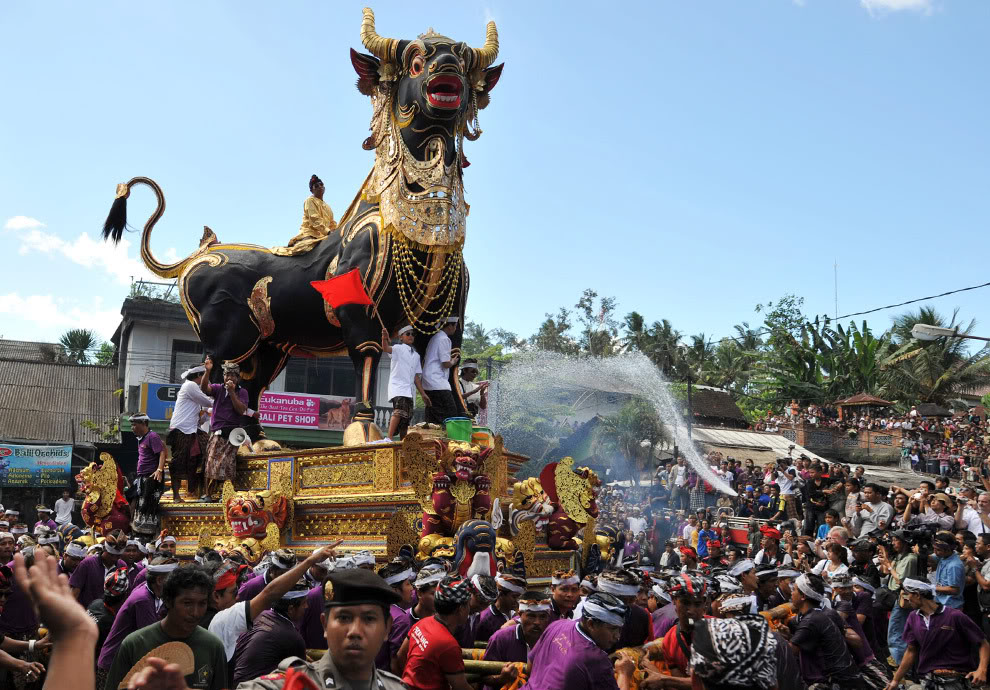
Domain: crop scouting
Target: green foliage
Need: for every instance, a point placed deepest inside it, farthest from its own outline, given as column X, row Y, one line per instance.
column 162, row 291
column 104, row 356
column 633, row 432
column 985, row 401
column 554, row 334
column 77, row 342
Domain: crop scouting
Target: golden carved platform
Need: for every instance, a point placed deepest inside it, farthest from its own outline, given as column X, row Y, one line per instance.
column 360, row 494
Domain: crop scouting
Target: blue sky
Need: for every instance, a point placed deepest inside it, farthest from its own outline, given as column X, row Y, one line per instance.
column 690, row 159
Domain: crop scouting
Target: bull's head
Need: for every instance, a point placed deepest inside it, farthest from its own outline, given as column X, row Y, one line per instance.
column 432, row 86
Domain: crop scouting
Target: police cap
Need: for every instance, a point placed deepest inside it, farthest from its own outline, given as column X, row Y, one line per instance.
column 358, row 586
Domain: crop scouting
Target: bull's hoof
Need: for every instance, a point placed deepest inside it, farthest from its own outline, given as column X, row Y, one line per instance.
column 362, row 431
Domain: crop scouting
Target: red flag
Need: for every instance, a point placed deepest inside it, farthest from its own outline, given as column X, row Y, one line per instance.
column 343, row 289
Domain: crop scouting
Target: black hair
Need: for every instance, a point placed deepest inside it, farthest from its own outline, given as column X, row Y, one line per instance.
column 186, row 578
column 283, row 605
column 876, row 488
column 929, row 484
column 854, row 482
column 393, row 568
column 833, row 513
column 313, row 181
column 817, row 583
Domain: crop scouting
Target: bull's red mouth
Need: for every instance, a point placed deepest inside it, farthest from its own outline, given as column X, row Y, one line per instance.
column 444, row 91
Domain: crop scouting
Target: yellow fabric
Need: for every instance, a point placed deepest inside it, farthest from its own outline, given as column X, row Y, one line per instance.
column 317, row 223
column 521, row 677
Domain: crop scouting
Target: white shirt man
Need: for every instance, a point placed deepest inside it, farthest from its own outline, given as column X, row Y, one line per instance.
column 967, row 518
column 190, row 400
column 63, row 510
column 636, row 524
column 404, row 368
column 437, row 353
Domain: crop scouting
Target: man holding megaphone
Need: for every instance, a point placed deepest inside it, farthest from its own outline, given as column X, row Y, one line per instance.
column 230, row 409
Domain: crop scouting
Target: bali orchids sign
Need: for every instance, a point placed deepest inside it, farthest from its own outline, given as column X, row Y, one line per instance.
column 29, row 465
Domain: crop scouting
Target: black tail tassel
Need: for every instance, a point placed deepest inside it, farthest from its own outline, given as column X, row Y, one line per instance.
column 113, row 228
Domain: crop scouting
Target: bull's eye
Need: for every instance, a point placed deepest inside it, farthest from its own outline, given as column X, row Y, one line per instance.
column 416, row 66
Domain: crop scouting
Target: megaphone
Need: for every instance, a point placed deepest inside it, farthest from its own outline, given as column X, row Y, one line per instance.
column 237, row 437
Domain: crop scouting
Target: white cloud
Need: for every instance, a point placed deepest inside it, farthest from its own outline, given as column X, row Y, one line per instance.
column 51, row 315
column 22, row 223
column 88, row 252
column 875, row 6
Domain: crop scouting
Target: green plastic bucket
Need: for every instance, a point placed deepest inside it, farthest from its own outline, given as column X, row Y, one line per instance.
column 481, row 436
column 458, row 428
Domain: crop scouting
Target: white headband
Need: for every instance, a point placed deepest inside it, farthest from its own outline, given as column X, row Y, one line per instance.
column 804, row 585
column 74, row 550
column 453, row 319
column 19, row 530
column 864, row 584
column 112, row 550
column 917, row 586
column 588, row 584
column 363, row 558
column 746, row 601
column 429, row 579
column 502, row 582
column 163, row 568
column 617, row 588
column 788, row 573
column 139, row 418
column 48, row 540
column 601, row 613
column 658, row 590
column 279, row 563
column 469, row 365
column 534, row 607
column 406, row 574
column 741, row 567
column 405, row 329
column 572, row 580
column 194, row 370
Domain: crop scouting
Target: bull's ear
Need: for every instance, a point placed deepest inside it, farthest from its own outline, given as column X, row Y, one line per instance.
column 366, row 67
column 492, row 75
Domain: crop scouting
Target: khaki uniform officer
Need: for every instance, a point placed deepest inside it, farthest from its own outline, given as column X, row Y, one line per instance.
column 356, row 622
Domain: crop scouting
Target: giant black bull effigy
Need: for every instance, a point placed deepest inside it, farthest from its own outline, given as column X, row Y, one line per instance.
column 404, row 230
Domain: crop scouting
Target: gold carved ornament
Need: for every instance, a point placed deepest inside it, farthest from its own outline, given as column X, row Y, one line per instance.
column 102, row 483
column 573, row 491
column 261, row 307
column 419, row 464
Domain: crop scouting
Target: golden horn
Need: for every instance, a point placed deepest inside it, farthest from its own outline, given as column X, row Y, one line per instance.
column 376, row 45
column 486, row 55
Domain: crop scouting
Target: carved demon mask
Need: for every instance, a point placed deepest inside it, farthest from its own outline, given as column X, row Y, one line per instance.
column 250, row 513
column 463, row 459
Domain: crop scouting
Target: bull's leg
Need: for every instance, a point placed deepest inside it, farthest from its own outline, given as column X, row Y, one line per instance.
column 362, row 335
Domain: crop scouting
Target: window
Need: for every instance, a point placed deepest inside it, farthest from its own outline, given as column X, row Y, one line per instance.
column 321, row 376
column 185, row 354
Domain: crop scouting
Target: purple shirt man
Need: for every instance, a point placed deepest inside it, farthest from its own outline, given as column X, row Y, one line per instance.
column 664, row 618
column 309, row 625
column 587, row 664
column 149, row 451
column 139, row 611
column 402, row 621
column 224, row 415
column 491, row 620
column 252, row 588
column 947, row 642
column 88, row 578
column 18, row 613
column 50, row 524
column 507, row 644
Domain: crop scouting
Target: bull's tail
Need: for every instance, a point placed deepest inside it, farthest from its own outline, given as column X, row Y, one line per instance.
column 113, row 228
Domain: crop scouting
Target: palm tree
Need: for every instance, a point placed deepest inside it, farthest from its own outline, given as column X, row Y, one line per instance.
column 933, row 371
column 633, row 432
column 77, row 342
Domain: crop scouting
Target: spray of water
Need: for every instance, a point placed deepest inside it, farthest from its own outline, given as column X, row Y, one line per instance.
column 543, row 379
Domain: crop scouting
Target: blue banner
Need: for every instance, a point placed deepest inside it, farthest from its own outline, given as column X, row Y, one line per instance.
column 158, row 399
column 22, row 465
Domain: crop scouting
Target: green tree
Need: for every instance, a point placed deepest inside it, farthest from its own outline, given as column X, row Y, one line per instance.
column 105, row 354
column 554, row 334
column 937, row 370
column 162, row 291
column 599, row 328
column 77, row 342
column 633, row 432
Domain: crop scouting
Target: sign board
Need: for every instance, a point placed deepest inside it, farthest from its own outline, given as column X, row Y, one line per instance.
column 26, row 465
column 287, row 410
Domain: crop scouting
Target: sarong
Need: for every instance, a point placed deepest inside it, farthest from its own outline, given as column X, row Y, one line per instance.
column 149, row 493
column 188, row 452
column 221, row 459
